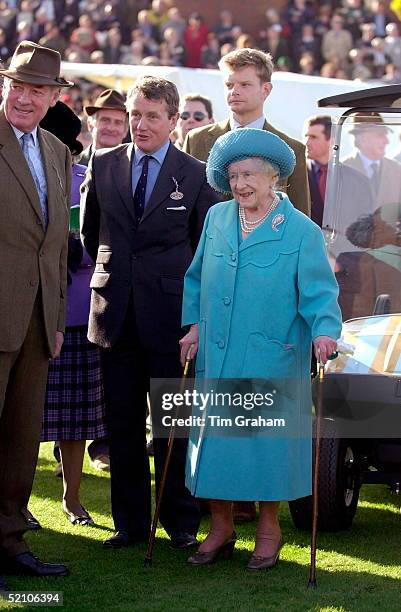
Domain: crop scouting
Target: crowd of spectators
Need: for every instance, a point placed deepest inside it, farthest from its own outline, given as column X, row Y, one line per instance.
column 355, row 39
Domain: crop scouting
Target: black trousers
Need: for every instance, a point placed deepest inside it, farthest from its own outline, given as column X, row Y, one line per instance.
column 127, row 370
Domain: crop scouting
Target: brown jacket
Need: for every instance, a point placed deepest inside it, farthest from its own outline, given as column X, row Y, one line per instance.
column 200, row 140
column 30, row 257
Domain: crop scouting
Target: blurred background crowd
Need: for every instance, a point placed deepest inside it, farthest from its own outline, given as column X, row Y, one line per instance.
column 352, row 39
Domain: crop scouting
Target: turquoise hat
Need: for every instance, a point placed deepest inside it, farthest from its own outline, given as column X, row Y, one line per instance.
column 244, row 143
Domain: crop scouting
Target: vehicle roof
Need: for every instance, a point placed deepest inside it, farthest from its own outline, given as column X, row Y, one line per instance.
column 385, row 96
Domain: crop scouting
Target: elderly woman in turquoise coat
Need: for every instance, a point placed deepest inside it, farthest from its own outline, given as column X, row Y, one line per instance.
column 258, row 293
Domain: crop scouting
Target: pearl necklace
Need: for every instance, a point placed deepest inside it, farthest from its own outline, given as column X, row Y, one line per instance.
column 248, row 226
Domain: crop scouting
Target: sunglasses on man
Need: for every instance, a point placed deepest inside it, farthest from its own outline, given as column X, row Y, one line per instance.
column 197, row 115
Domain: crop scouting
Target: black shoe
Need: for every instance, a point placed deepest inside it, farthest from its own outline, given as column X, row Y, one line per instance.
column 3, row 585
column 119, row 540
column 182, row 540
column 84, row 518
column 32, row 521
column 26, row 564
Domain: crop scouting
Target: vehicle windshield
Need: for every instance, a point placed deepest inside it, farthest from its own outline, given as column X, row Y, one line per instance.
column 371, row 345
column 362, row 213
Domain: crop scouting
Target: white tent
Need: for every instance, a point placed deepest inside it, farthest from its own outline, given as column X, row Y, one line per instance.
column 293, row 99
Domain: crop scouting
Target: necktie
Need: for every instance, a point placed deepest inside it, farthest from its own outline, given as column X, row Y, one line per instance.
column 140, row 190
column 374, row 177
column 322, row 180
column 25, row 138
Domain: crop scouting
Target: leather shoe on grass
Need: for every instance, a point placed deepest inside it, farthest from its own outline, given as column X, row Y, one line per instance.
column 84, row 519
column 26, row 564
column 3, row 585
column 182, row 540
column 120, row 539
column 32, row 521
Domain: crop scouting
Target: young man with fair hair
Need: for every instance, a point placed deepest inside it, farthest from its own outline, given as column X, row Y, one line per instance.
column 247, row 82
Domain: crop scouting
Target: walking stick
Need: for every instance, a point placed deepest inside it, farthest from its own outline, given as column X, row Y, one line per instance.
column 152, row 536
column 315, row 499
column 315, row 495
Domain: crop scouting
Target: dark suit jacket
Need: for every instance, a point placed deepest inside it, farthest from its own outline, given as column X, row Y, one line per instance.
column 32, row 259
column 317, row 203
column 200, row 140
column 149, row 260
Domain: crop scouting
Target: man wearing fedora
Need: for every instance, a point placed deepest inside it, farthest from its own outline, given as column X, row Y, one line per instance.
column 371, row 138
column 247, row 75
column 35, row 177
column 107, row 122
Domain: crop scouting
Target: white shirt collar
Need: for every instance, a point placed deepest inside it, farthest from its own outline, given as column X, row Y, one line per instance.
column 258, row 123
column 367, row 163
column 19, row 134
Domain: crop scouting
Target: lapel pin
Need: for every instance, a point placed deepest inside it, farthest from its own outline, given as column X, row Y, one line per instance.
column 276, row 221
column 176, row 195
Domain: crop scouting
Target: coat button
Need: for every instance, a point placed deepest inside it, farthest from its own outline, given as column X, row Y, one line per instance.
column 221, row 344
column 227, row 301
column 233, row 256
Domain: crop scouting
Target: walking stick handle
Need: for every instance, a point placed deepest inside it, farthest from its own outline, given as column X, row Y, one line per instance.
column 188, row 358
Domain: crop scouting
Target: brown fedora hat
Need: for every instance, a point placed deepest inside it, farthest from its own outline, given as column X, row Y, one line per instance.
column 37, row 65
column 367, row 120
column 110, row 99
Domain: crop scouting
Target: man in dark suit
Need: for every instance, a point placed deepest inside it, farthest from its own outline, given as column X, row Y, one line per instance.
column 317, row 137
column 35, row 178
column 247, row 82
column 143, row 208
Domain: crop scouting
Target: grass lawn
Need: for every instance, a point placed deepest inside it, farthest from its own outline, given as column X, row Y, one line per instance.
column 358, row 570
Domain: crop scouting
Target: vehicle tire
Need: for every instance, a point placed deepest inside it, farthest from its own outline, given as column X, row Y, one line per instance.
column 339, row 485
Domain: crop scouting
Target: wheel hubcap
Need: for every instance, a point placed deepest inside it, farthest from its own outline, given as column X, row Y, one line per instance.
column 349, row 477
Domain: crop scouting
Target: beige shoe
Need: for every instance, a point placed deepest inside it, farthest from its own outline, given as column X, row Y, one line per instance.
column 101, row 463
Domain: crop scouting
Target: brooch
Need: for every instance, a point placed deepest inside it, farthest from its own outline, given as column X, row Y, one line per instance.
column 176, row 195
column 276, row 221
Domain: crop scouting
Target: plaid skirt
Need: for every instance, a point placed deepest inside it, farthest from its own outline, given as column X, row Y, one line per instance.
column 74, row 405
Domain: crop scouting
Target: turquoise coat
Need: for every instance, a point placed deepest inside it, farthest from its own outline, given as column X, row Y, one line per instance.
column 259, row 303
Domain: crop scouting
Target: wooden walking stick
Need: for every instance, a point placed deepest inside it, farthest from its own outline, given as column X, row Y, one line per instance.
column 152, row 536
column 315, row 494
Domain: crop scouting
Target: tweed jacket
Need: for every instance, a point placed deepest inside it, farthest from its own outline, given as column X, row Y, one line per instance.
column 200, row 140
column 32, row 258
column 388, row 196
